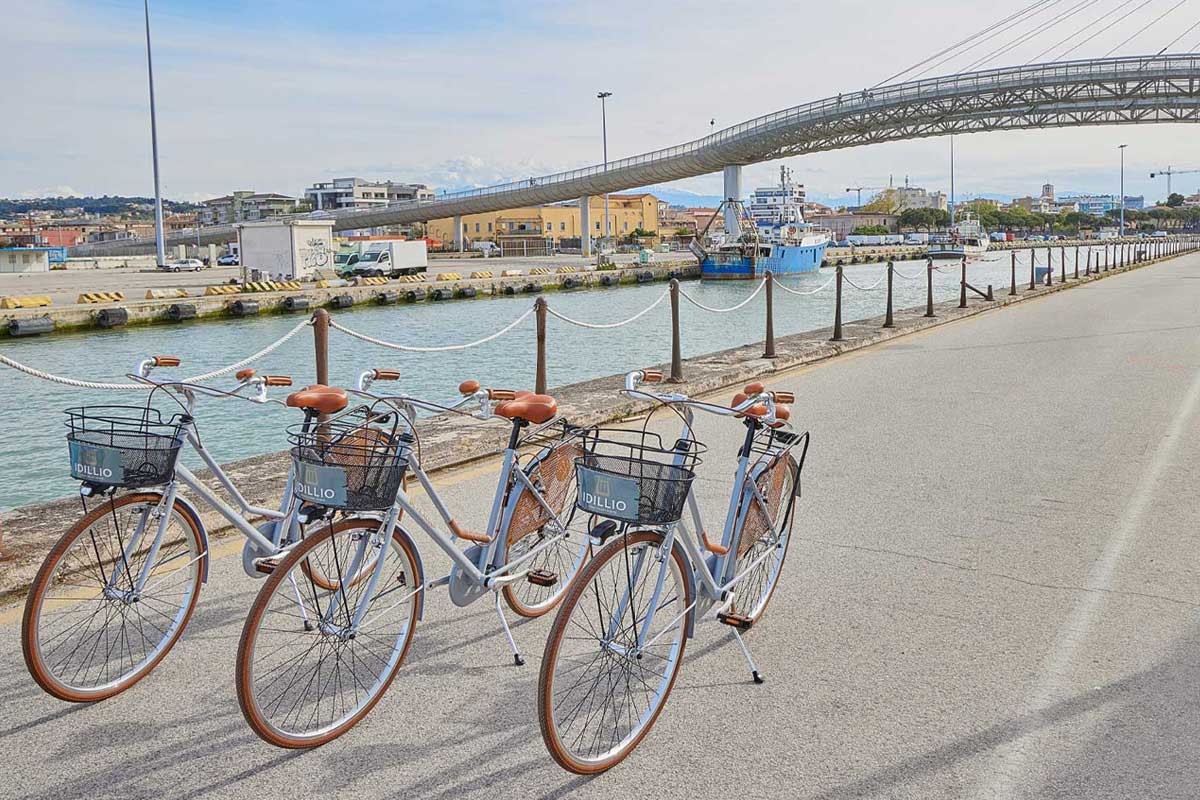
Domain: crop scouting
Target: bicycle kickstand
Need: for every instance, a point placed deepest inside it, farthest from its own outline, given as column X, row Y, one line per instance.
column 520, row 662
column 754, row 673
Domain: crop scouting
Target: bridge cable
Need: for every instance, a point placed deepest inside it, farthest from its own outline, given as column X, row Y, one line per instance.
column 1020, row 40
column 990, row 36
column 1144, row 27
column 1193, row 27
column 1114, row 24
column 955, row 46
column 1082, row 30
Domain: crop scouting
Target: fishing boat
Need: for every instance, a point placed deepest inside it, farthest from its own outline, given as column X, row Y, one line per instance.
column 772, row 236
column 967, row 239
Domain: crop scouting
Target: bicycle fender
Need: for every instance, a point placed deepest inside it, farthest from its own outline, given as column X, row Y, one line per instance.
column 690, row 576
column 420, row 576
column 186, row 507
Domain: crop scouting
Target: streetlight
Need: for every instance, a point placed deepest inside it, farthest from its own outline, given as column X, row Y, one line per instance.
column 1122, row 147
column 602, row 96
column 158, row 212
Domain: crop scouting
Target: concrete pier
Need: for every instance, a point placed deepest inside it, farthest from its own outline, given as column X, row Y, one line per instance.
column 585, row 226
column 733, row 191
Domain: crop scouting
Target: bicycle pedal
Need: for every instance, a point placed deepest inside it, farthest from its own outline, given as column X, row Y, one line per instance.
column 541, row 577
column 266, row 565
column 735, row 620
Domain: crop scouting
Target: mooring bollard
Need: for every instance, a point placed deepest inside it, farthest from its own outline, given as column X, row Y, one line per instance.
column 929, row 288
column 769, row 348
column 1013, row 289
column 962, row 285
column 837, row 312
column 887, row 320
column 320, row 321
column 676, row 358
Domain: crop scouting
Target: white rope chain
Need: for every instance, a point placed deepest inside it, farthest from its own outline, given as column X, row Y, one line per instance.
column 712, row 310
column 798, row 293
column 81, row 384
column 441, row 349
column 601, row 326
column 900, row 274
column 874, row 285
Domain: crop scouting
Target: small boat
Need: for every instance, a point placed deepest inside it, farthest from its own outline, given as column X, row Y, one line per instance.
column 968, row 239
column 773, row 236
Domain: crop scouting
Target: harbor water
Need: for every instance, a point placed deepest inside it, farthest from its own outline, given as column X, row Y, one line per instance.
column 33, row 452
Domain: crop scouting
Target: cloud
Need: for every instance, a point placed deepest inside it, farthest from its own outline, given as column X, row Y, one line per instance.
column 49, row 191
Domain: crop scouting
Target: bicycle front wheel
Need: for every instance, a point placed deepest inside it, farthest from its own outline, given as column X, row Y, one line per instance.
column 613, row 653
column 307, row 671
column 100, row 615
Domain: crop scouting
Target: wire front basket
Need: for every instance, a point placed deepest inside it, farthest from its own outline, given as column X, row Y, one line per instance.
column 349, row 462
column 630, row 476
column 123, row 446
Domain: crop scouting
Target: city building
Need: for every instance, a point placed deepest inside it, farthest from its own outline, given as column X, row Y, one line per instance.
column 626, row 212
column 360, row 193
column 916, row 197
column 246, row 207
column 843, row 223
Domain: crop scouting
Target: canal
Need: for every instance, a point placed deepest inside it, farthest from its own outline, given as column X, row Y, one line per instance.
column 34, row 455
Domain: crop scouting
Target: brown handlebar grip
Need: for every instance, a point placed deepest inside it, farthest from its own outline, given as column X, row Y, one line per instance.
column 783, row 397
column 245, row 374
column 167, row 361
column 502, row 394
column 468, row 387
column 652, row 376
column 387, row 374
column 277, row 380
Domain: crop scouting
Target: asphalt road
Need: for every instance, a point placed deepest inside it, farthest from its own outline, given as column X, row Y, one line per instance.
column 993, row 594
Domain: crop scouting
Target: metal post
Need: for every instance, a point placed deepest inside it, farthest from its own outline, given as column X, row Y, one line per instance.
column 539, row 382
column 321, row 344
column 676, row 356
column 1087, row 269
column 1049, row 266
column 1032, row 267
column 159, row 247
column 1062, row 264
column 962, row 285
column 837, row 312
column 604, row 133
column 888, row 322
column 1076, row 262
column 929, row 287
column 769, row 350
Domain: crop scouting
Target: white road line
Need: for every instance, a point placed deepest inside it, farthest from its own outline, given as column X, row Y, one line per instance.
column 1009, row 769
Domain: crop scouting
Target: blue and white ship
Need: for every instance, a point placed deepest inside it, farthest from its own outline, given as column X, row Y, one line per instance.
column 774, row 236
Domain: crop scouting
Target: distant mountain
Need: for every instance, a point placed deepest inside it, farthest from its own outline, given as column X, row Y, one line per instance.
column 114, row 204
column 682, row 197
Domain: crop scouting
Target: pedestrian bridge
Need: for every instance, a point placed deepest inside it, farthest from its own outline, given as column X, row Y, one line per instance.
column 1105, row 91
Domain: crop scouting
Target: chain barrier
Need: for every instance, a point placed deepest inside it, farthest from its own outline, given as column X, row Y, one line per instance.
column 82, row 384
column 799, row 293
column 439, row 349
column 712, row 310
column 900, row 274
column 601, row 326
column 872, row 287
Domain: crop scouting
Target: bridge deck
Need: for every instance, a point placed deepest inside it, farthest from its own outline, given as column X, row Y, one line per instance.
column 993, row 595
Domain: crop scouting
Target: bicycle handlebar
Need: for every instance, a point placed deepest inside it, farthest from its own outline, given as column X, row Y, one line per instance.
column 769, row 399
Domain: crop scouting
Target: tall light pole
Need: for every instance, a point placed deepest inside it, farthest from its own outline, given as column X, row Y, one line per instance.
column 158, row 213
column 602, row 96
column 952, row 204
column 1121, row 200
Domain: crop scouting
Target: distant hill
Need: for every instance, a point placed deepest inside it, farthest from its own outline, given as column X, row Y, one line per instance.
column 114, row 204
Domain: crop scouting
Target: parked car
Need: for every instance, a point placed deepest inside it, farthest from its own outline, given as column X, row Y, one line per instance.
column 228, row 260
column 183, row 264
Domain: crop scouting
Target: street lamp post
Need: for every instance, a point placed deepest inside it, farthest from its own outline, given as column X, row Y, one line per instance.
column 1121, row 199
column 602, row 96
column 160, row 248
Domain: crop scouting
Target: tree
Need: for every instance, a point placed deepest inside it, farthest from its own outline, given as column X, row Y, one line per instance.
column 1175, row 200
column 917, row 218
column 870, row 230
column 940, row 217
column 886, row 202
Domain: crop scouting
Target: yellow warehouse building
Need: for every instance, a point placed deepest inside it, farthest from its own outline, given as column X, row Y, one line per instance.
column 626, row 213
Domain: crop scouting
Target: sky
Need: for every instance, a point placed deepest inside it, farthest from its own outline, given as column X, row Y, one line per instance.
column 272, row 95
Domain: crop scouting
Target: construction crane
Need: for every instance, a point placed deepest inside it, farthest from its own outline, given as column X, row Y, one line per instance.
column 1168, row 172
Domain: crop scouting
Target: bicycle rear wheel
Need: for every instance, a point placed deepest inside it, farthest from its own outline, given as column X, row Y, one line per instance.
column 605, row 677
column 305, row 673
column 766, row 534
column 88, row 633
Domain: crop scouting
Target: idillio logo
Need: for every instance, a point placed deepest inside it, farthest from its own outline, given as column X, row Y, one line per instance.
column 92, row 471
column 605, row 503
column 309, row 492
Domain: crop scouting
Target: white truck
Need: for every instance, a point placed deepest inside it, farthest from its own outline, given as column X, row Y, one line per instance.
column 389, row 258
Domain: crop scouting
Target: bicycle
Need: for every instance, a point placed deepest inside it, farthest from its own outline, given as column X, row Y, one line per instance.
column 118, row 588
column 618, row 639
column 312, row 663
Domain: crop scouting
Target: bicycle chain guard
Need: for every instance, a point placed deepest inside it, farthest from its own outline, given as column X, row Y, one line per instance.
column 250, row 551
column 463, row 589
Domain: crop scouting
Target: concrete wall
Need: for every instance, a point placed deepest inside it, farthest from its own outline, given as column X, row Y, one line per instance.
column 112, row 262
